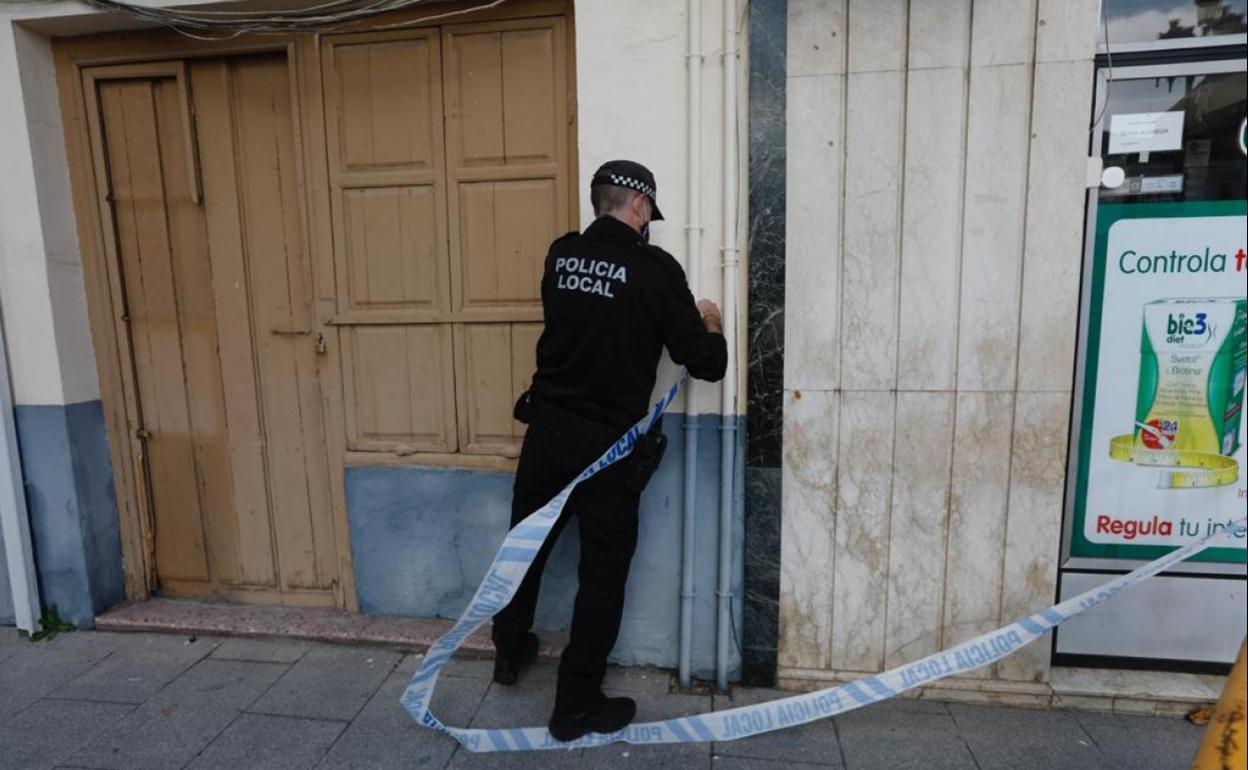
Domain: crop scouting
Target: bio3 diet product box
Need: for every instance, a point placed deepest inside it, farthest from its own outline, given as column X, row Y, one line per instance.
column 1191, row 387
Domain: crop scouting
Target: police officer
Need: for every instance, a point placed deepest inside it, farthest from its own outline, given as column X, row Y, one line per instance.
column 612, row 302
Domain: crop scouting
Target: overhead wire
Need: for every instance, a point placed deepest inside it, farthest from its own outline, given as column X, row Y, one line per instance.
column 218, row 24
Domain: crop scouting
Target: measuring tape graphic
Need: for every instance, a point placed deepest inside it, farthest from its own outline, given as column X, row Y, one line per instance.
column 522, row 543
column 1198, row 468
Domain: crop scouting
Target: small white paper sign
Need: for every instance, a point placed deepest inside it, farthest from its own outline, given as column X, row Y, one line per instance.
column 1145, row 132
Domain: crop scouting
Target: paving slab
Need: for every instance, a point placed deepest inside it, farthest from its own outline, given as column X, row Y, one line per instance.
column 385, row 736
column 814, row 743
column 11, row 640
column 529, row 703
column 408, row 664
column 328, row 683
column 474, row 668
column 902, row 736
column 642, row 680
column 525, row 704
column 619, row 679
column 37, row 737
column 183, row 718
column 267, row 742
column 745, row 763
column 136, row 670
column 261, row 650
column 39, row 668
column 678, row 755
column 1001, row 738
column 553, row 759
column 1130, row 742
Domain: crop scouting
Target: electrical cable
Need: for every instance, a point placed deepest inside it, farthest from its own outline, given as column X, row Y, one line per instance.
column 217, row 24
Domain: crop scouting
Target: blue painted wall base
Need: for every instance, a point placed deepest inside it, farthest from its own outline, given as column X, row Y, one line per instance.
column 74, row 525
column 422, row 538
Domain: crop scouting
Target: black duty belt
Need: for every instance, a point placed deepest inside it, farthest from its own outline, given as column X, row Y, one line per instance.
column 531, row 410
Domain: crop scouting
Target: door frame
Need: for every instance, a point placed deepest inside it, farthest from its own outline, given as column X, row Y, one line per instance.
column 74, row 59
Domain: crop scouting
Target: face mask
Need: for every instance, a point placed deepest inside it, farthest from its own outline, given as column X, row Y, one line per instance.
column 645, row 229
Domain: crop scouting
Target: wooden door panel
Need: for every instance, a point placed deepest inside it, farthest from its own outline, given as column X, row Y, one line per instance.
column 496, row 364
column 393, row 256
column 276, row 264
column 532, row 70
column 129, row 113
column 505, row 229
column 201, row 369
column 505, row 88
column 248, row 521
column 380, row 97
column 403, row 377
column 501, row 88
column 474, row 96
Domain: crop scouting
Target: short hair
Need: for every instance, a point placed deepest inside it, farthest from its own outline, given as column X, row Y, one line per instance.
column 609, row 197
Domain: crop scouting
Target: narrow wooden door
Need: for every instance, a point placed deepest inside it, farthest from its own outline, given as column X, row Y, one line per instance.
column 207, row 240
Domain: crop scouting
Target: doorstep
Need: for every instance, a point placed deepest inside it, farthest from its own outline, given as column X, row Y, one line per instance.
column 318, row 624
column 1152, row 693
column 1147, row 693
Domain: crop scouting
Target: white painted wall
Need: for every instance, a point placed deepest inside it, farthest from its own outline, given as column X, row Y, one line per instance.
column 631, row 92
column 27, row 268
column 631, row 103
column 934, row 237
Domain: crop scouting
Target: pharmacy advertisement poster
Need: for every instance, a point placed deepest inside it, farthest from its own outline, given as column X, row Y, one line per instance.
column 1162, row 431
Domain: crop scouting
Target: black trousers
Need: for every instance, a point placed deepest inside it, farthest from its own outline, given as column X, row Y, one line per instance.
column 606, row 514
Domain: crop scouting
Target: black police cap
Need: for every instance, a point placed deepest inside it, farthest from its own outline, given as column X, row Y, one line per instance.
column 627, row 173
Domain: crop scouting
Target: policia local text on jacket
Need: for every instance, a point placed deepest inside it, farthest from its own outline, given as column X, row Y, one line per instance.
column 611, row 302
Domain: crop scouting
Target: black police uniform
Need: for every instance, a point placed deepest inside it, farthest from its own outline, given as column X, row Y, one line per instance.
column 611, row 302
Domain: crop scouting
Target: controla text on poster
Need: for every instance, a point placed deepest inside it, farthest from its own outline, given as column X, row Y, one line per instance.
column 1162, row 431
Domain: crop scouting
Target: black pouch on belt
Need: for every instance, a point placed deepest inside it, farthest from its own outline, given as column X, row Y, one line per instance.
column 523, row 410
column 644, row 461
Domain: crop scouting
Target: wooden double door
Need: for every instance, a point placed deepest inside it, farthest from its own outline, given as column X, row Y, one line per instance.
column 196, row 166
column 307, row 253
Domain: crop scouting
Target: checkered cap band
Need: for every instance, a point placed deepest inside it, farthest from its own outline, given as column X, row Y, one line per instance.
column 636, row 184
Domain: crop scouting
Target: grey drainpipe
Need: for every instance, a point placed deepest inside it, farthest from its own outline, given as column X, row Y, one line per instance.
column 693, row 240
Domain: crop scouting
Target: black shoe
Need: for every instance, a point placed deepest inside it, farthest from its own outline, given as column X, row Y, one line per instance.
column 507, row 662
column 608, row 715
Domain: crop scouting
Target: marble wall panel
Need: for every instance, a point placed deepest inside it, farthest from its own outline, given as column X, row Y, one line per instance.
column 863, row 496
column 931, row 229
column 977, row 508
column 919, row 520
column 873, row 175
column 992, row 226
column 807, row 529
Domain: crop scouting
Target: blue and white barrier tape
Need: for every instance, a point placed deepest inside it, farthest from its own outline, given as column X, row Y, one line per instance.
column 522, row 543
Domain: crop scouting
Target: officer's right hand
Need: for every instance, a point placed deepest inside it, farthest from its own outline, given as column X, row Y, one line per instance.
column 711, row 316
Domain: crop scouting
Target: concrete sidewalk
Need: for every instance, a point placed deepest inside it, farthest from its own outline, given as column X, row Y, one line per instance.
column 134, row 701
